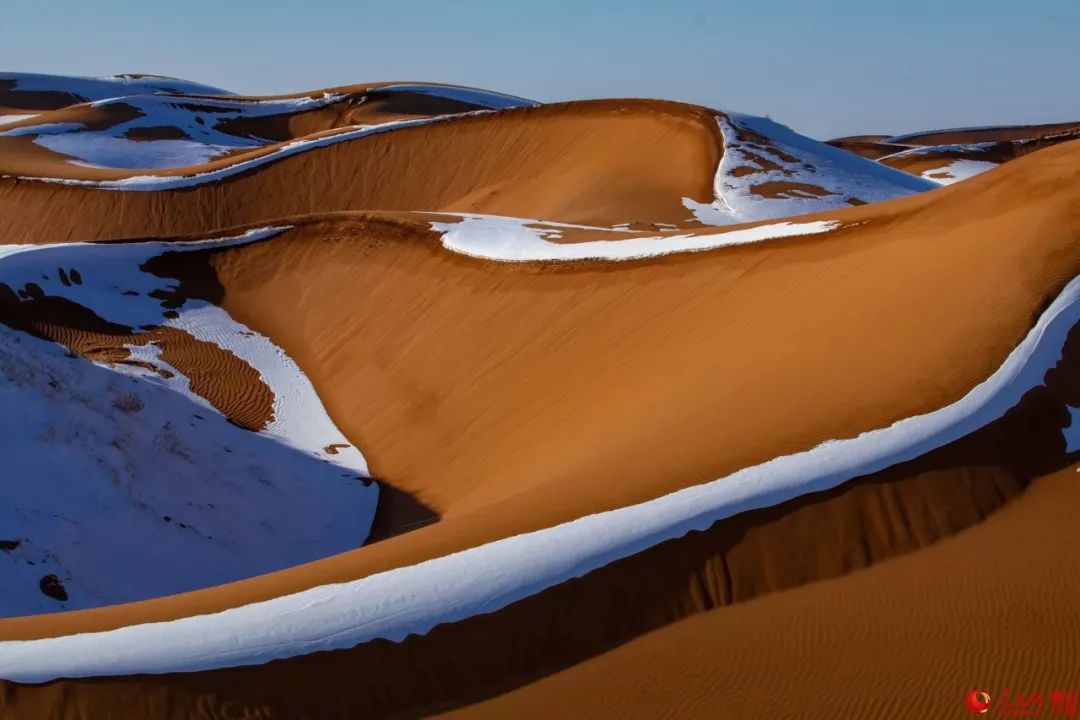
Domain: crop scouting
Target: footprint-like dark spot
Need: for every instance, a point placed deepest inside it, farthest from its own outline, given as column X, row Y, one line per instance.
column 32, row 291
column 51, row 586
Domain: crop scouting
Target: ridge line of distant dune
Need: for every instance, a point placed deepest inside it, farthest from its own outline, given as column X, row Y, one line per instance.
column 245, row 162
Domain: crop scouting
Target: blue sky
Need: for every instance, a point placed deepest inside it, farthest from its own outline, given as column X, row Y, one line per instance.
column 826, row 68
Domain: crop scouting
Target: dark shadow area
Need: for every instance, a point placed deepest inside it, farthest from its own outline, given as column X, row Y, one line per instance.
column 397, row 513
column 188, row 576
column 403, row 102
column 12, row 97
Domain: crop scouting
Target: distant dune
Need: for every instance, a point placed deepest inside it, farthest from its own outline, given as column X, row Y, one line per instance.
column 948, row 156
column 396, row 399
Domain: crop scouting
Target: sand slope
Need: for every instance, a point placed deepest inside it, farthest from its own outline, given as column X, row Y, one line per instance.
column 635, row 163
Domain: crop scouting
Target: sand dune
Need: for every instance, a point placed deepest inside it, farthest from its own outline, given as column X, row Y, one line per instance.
column 588, row 378
column 961, row 615
column 1001, row 133
column 165, row 129
column 949, row 156
column 608, row 163
column 35, row 91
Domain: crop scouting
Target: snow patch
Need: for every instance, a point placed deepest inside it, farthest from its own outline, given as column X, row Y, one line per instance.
column 958, row 170
column 812, row 176
column 508, row 239
column 124, row 483
column 9, row 119
column 953, row 148
column 199, row 119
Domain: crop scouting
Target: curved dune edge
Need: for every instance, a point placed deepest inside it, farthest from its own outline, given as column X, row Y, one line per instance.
column 222, row 169
column 1040, row 253
column 412, row 600
column 817, row 536
column 1015, row 573
column 571, row 163
column 411, row 668
column 988, row 133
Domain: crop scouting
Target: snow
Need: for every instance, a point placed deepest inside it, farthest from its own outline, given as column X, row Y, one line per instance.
column 413, row 599
column 791, row 158
column 198, row 118
column 90, row 88
column 904, row 139
column 97, row 456
column 952, row 170
column 958, row 170
column 950, row 148
column 43, row 128
column 172, row 182
column 474, row 96
column 9, row 119
column 103, row 150
column 510, row 239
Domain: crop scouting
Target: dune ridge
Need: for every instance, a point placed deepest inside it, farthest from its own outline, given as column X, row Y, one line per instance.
column 514, row 568
column 949, row 156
